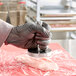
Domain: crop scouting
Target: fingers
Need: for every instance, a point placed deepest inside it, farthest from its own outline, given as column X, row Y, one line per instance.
column 37, row 28
column 40, row 30
column 43, row 32
column 44, row 42
column 39, row 37
column 46, row 26
column 46, row 29
column 42, row 47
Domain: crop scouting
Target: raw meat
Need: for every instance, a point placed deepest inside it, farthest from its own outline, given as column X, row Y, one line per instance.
column 9, row 66
column 44, row 64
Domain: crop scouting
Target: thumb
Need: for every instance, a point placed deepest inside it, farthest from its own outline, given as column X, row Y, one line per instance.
column 46, row 26
column 41, row 30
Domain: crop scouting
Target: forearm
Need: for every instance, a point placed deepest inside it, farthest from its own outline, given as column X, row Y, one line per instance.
column 5, row 29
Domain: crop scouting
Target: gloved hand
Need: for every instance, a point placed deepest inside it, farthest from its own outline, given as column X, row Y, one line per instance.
column 30, row 35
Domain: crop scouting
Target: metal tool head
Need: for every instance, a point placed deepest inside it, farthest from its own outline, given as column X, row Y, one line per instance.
column 35, row 53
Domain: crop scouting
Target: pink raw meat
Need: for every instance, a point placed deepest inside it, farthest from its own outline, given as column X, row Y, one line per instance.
column 45, row 64
column 9, row 66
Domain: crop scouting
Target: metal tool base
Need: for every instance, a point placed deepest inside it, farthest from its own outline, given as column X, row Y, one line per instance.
column 43, row 53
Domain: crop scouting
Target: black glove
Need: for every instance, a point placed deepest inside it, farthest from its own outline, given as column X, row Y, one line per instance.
column 29, row 36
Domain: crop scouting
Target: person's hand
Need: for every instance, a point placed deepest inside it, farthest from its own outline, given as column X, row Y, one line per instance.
column 30, row 35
